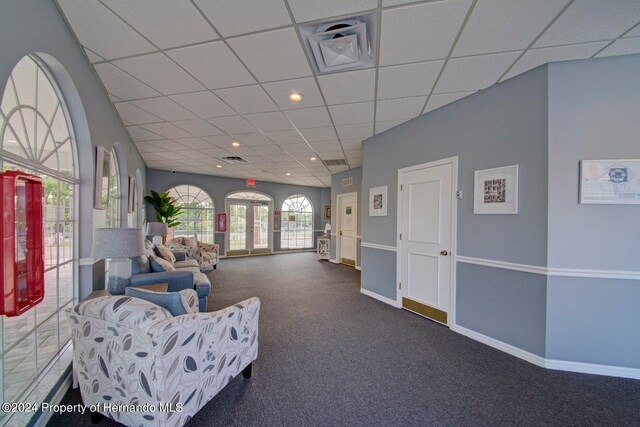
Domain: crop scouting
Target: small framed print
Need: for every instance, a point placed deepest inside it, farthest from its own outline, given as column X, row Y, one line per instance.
column 495, row 191
column 327, row 212
column 102, row 178
column 612, row 182
column 132, row 194
column 378, row 201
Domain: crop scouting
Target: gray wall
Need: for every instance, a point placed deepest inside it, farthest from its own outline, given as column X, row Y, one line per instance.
column 36, row 26
column 337, row 189
column 500, row 126
column 219, row 187
column 594, row 111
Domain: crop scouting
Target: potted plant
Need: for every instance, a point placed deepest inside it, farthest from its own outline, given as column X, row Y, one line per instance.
column 166, row 209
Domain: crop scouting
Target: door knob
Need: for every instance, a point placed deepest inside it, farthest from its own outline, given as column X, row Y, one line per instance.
column 341, row 233
column 444, row 253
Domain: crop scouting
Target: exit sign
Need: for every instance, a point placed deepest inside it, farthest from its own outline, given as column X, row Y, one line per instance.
column 251, row 182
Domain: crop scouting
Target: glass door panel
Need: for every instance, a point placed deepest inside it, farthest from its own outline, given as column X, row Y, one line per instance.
column 238, row 227
column 260, row 226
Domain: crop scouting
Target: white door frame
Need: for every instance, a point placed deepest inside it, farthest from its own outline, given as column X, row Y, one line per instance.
column 228, row 201
column 454, row 229
column 339, row 197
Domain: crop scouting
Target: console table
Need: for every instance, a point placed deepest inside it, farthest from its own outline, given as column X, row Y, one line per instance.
column 324, row 247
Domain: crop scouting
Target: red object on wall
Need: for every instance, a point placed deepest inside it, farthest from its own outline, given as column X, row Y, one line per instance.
column 251, row 182
column 22, row 242
column 222, row 222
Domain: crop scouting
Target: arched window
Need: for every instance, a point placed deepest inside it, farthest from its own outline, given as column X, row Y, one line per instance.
column 197, row 218
column 36, row 137
column 297, row 223
column 113, row 203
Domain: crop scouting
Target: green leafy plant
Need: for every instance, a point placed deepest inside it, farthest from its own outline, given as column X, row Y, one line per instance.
column 166, row 209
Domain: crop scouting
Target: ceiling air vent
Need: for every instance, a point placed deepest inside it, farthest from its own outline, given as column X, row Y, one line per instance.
column 341, row 45
column 335, row 162
column 233, row 160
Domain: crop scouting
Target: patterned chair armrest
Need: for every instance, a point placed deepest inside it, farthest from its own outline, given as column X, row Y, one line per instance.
column 209, row 247
column 191, row 297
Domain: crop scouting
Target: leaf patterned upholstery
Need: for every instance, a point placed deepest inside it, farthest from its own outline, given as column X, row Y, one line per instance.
column 206, row 253
column 129, row 351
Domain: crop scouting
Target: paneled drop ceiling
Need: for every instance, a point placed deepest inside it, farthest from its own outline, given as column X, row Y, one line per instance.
column 188, row 78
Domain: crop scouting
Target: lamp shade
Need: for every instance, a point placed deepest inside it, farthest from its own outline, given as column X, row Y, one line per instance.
column 117, row 243
column 327, row 228
column 157, row 229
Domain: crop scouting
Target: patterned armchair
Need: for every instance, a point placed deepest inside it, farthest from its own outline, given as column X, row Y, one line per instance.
column 128, row 351
column 205, row 253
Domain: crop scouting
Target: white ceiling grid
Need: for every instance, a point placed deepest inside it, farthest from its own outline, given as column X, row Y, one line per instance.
column 189, row 77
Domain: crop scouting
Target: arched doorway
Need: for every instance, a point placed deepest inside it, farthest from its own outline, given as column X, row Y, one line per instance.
column 250, row 222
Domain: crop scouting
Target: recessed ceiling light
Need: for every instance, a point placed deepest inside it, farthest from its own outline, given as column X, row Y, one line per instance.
column 288, row 173
column 219, row 166
column 313, row 159
column 235, row 144
column 295, row 97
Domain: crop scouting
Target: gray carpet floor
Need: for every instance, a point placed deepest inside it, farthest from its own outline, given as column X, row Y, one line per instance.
column 329, row 355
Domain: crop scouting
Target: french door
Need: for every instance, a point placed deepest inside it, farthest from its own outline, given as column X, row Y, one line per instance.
column 249, row 227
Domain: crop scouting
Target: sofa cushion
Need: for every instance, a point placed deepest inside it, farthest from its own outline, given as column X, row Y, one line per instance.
column 186, row 263
column 165, row 253
column 159, row 265
column 140, row 264
column 171, row 301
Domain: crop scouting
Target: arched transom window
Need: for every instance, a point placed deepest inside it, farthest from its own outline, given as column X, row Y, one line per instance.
column 36, row 137
column 197, row 218
column 297, row 223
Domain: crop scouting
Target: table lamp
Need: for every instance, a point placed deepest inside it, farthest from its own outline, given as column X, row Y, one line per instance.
column 327, row 229
column 158, row 230
column 117, row 245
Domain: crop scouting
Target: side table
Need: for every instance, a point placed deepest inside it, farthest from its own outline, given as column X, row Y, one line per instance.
column 324, row 247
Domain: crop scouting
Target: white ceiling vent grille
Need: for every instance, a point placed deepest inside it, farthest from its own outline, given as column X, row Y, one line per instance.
column 341, row 45
column 335, row 162
column 232, row 160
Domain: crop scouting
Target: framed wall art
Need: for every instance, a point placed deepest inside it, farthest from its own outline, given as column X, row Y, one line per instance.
column 132, row 194
column 101, row 192
column 615, row 182
column 378, row 201
column 495, row 191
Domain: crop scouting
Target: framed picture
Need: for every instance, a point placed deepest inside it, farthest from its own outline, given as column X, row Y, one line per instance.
column 132, row 194
column 615, row 182
column 495, row 191
column 101, row 192
column 327, row 212
column 378, row 201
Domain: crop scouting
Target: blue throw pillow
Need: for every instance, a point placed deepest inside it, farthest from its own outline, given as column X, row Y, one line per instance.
column 140, row 264
column 171, row 301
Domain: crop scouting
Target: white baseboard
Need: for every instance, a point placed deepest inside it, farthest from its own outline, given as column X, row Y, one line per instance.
column 560, row 365
column 358, row 267
column 335, row 261
column 373, row 295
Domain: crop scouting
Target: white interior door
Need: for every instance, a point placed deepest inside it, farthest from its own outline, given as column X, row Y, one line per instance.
column 425, row 243
column 347, row 228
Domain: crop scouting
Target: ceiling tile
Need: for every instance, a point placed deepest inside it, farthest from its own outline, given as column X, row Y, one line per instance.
column 408, row 80
column 386, row 3
column 233, row 17
column 536, row 57
column 276, row 55
column 247, row 99
column 167, row 145
column 145, row 147
column 309, row 10
column 252, row 139
column 280, row 91
column 309, row 117
column 351, row 114
column 213, row 64
column 223, row 141
column 204, row 104
column 437, row 101
column 171, row 155
column 232, row 124
column 114, row 98
column 101, row 31
column 160, row 73
column 401, row 108
column 165, row 108
column 622, row 47
column 502, row 25
column 215, row 152
column 297, row 148
column 198, row 127
column 361, row 131
column 195, row 143
column 326, row 133
column 329, row 155
column 167, row 130
column 284, row 137
column 268, row 150
column 474, row 72
column 421, row 32
column 167, row 23
column 134, row 115
column 93, row 57
column 353, row 86
column 352, row 144
column 383, row 126
column 635, row 32
column 592, row 20
column 269, row 121
column 139, row 134
column 121, row 84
